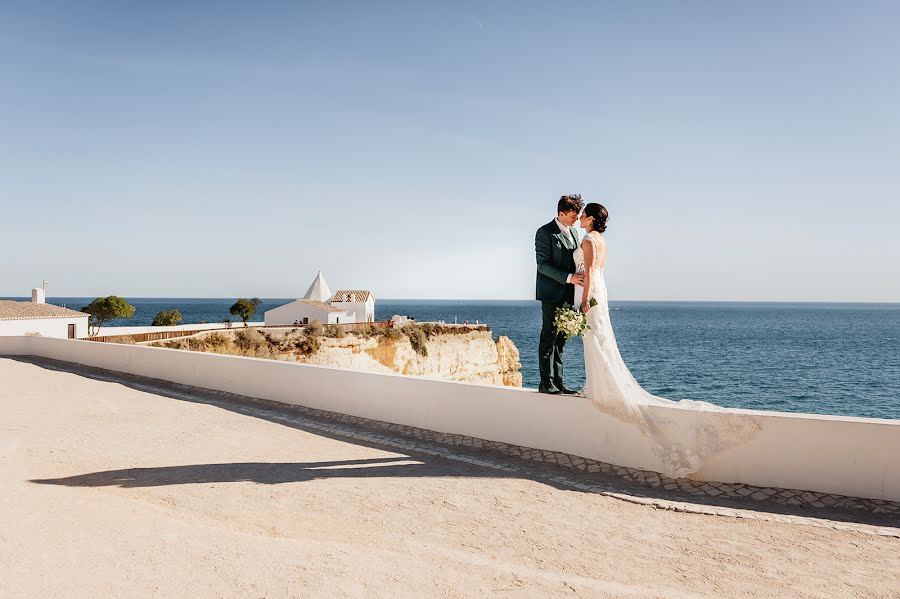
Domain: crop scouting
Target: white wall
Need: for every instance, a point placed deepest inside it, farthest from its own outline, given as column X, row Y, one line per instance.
column 850, row 456
column 15, row 346
column 106, row 331
column 46, row 327
column 362, row 311
column 297, row 311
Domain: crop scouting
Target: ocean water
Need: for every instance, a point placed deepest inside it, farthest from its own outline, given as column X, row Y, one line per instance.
column 839, row 359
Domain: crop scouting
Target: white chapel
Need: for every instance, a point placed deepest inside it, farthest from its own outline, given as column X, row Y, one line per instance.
column 345, row 306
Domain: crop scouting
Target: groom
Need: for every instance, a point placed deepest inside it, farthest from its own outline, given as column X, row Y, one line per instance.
column 554, row 244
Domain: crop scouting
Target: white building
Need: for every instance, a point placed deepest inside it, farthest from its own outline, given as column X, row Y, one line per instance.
column 313, row 306
column 400, row 320
column 345, row 306
column 304, row 311
column 40, row 318
column 318, row 290
column 359, row 302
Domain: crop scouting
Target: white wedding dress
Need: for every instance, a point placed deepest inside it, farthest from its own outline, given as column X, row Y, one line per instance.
column 681, row 444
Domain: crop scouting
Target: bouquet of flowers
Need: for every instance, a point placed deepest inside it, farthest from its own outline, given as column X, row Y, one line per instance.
column 570, row 322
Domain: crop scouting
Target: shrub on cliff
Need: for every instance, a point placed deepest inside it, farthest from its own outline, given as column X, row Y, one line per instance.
column 250, row 341
column 307, row 345
column 215, row 342
column 456, row 329
column 196, row 344
column 335, row 331
column 315, row 329
column 417, row 338
column 393, row 334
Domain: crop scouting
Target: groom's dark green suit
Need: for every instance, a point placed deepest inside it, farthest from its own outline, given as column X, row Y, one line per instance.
column 553, row 249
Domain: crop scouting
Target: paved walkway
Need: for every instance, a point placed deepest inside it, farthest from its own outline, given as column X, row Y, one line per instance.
column 122, row 488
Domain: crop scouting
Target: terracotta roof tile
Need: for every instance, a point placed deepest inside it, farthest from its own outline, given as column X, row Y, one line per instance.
column 13, row 310
column 352, row 295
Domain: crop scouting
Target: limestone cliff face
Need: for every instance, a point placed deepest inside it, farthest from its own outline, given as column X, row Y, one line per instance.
column 467, row 357
column 508, row 359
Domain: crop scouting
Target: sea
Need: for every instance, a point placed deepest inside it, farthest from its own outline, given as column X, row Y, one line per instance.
column 823, row 358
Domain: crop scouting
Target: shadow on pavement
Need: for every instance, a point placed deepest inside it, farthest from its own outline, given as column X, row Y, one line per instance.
column 415, row 464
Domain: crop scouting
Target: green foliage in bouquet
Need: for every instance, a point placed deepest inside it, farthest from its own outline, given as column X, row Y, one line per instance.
column 570, row 322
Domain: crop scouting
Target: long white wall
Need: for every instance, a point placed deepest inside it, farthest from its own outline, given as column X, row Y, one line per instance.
column 45, row 327
column 110, row 330
column 850, row 456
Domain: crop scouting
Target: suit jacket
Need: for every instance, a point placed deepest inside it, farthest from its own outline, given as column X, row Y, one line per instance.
column 553, row 250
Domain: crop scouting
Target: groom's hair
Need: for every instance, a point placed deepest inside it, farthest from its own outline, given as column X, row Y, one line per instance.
column 569, row 203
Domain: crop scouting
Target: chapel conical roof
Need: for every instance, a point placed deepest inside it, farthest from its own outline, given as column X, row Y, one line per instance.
column 319, row 290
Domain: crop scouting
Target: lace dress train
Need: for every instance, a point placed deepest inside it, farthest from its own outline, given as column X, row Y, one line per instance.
column 681, row 445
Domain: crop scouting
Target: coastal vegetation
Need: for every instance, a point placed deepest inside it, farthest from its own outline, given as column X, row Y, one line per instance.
column 417, row 338
column 249, row 342
column 104, row 309
column 465, row 353
column 307, row 345
column 307, row 340
column 166, row 318
column 334, row 331
column 245, row 308
column 315, row 328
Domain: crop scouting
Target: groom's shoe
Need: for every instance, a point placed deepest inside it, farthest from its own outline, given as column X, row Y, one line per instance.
column 548, row 388
column 563, row 389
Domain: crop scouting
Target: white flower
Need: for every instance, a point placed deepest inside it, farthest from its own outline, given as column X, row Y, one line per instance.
column 570, row 322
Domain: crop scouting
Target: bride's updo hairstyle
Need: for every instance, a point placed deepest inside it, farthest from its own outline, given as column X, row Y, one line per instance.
column 599, row 214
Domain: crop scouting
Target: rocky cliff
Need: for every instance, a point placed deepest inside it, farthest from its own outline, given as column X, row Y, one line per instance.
column 468, row 357
column 448, row 352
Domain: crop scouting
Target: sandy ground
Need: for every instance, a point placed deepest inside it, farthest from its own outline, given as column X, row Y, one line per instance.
column 110, row 491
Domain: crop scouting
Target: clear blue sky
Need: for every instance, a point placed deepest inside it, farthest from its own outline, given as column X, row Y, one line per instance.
column 745, row 151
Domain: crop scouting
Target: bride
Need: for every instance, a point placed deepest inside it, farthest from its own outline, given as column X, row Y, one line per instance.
column 681, row 445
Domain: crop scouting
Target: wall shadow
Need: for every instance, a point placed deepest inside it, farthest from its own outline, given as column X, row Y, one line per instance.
column 267, row 473
column 427, row 465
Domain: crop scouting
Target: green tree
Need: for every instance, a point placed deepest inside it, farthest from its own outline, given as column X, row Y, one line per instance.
column 245, row 308
column 166, row 318
column 104, row 309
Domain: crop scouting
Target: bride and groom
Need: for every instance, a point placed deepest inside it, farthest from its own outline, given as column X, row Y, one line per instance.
column 570, row 271
column 562, row 276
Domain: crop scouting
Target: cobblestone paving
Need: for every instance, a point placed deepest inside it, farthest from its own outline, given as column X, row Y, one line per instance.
column 872, row 516
column 748, row 497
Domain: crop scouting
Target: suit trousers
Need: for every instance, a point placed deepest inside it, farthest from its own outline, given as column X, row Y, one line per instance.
column 550, row 346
